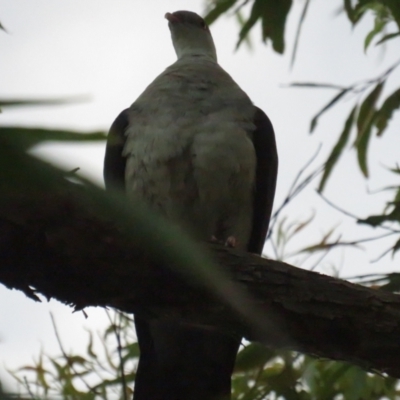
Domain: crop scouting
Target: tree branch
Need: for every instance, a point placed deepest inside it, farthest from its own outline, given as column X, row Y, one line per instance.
column 56, row 245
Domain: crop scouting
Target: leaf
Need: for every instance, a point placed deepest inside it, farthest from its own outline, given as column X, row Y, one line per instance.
column 299, row 26
column 375, row 220
column 364, row 126
column 41, row 102
column 357, row 378
column 393, row 279
column 132, row 351
column 323, row 244
column 28, row 137
column 394, row 7
column 384, row 114
column 363, row 6
column 89, row 348
column 387, row 37
column 221, row 6
column 273, row 22
column 254, row 16
column 273, row 16
column 338, row 148
column 240, row 19
column 327, row 107
column 2, row 27
column 351, row 14
column 316, row 85
column 253, row 356
column 396, row 247
column 378, row 27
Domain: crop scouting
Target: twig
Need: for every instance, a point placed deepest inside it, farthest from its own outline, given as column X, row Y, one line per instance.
column 119, row 350
column 66, row 356
column 329, row 202
column 28, row 388
column 316, row 264
column 296, row 188
column 347, row 213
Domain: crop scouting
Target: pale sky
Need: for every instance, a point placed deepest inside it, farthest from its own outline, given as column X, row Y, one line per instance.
column 111, row 50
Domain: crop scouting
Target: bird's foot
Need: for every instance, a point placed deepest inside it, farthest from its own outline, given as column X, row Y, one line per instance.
column 231, row 242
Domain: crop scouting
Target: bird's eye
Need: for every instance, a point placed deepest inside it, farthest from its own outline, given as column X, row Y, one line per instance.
column 203, row 25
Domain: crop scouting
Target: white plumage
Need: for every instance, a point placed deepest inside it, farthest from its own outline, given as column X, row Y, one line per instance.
column 190, row 154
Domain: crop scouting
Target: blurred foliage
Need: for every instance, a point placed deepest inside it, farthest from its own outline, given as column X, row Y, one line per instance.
column 106, row 370
column 107, row 367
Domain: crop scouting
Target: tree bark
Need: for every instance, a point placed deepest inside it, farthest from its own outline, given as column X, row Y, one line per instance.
column 55, row 245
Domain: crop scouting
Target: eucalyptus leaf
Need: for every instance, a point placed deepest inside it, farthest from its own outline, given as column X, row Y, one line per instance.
column 298, row 32
column 338, row 148
column 364, row 126
column 384, row 114
column 255, row 14
column 254, row 355
column 387, row 37
column 394, row 7
column 41, row 102
column 220, row 7
column 379, row 26
column 29, row 137
column 273, row 21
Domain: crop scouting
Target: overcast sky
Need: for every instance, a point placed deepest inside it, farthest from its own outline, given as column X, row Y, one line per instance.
column 111, row 50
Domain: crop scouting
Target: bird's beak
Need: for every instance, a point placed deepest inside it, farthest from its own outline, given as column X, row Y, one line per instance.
column 171, row 18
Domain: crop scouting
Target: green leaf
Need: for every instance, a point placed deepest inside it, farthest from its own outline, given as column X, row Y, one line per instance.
column 317, row 85
column 384, row 114
column 299, row 26
column 396, row 247
column 241, row 21
column 327, row 107
column 351, row 14
column 273, row 22
column 375, row 220
column 387, row 37
column 378, row 27
column 356, row 389
column 255, row 14
column 221, row 6
column 41, row 102
column 273, row 16
column 364, row 126
column 394, row 7
column 389, row 282
column 338, row 148
column 253, row 356
column 28, row 137
column 362, row 149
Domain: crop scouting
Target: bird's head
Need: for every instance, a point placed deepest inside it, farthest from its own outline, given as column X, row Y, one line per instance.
column 190, row 35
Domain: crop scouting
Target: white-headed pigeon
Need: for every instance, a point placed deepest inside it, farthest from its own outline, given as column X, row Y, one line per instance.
column 195, row 149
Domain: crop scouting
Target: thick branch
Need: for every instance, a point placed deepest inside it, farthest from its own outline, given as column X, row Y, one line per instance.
column 65, row 250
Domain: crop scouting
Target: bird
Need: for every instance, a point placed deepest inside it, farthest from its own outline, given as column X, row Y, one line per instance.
column 197, row 151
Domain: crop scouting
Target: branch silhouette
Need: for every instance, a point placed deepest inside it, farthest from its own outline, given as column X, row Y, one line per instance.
column 59, row 243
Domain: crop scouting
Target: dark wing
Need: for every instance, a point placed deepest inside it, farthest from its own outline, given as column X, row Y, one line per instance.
column 114, row 162
column 266, row 173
